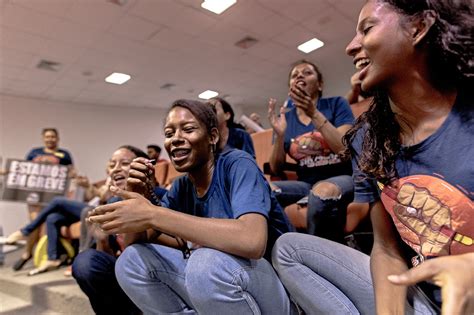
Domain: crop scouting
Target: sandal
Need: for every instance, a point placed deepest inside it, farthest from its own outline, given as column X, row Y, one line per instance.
column 13, row 238
column 45, row 267
column 21, row 262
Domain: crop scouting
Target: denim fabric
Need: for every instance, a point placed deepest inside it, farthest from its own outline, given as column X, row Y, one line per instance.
column 59, row 212
column 326, row 217
column 94, row 272
column 324, row 277
column 160, row 281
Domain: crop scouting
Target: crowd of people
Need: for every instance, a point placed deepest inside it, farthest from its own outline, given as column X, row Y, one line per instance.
column 218, row 241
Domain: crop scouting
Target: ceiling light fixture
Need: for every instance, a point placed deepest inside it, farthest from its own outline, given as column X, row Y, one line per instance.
column 217, row 6
column 208, row 94
column 117, row 78
column 310, row 45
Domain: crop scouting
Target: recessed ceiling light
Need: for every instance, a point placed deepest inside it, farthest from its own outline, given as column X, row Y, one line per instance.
column 117, row 78
column 208, row 94
column 217, row 6
column 311, row 45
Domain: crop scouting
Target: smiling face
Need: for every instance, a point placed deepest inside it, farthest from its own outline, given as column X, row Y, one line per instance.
column 305, row 76
column 187, row 140
column 119, row 166
column 50, row 140
column 382, row 49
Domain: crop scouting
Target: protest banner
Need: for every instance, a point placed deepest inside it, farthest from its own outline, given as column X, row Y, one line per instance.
column 34, row 183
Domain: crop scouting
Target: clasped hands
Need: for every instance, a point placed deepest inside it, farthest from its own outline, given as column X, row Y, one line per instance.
column 134, row 212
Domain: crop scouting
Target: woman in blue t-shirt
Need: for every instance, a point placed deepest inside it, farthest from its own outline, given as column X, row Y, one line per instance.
column 412, row 158
column 310, row 130
column 222, row 208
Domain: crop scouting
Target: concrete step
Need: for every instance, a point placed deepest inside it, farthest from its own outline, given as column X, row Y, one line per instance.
column 10, row 305
column 49, row 292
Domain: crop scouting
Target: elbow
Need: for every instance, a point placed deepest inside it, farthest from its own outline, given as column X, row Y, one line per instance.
column 256, row 250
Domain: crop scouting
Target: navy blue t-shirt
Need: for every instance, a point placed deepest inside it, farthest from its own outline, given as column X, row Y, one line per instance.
column 240, row 139
column 61, row 156
column 238, row 187
column 306, row 145
column 432, row 204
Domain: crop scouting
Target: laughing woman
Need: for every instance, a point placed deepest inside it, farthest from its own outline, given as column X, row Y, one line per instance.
column 223, row 206
column 412, row 155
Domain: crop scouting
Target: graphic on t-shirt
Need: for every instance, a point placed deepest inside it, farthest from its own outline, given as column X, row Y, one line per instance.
column 46, row 159
column 311, row 150
column 432, row 216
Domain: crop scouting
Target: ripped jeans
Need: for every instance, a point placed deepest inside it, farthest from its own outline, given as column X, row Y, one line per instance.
column 326, row 214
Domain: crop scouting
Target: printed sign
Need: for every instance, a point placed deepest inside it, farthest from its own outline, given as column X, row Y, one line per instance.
column 34, row 182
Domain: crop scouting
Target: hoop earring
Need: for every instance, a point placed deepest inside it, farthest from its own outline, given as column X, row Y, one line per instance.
column 214, row 148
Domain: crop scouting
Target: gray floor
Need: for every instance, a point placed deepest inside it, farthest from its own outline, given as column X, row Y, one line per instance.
column 50, row 293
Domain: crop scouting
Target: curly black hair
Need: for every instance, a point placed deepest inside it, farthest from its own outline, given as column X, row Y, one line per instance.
column 449, row 44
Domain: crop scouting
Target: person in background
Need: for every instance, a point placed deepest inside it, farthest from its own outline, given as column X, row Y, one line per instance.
column 93, row 268
column 310, row 130
column 232, row 134
column 52, row 154
column 223, row 206
column 154, row 152
column 412, row 157
column 56, row 214
column 256, row 119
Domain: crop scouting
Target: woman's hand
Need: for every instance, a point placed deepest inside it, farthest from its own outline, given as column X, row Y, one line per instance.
column 454, row 274
column 302, row 100
column 278, row 123
column 141, row 177
column 131, row 215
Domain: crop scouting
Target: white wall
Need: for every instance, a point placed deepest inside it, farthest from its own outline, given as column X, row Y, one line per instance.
column 90, row 133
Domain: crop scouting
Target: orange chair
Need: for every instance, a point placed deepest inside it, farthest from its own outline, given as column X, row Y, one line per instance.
column 161, row 172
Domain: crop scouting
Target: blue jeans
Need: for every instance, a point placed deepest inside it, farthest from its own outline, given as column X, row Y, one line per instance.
column 94, row 272
column 324, row 277
column 326, row 216
column 160, row 281
column 59, row 212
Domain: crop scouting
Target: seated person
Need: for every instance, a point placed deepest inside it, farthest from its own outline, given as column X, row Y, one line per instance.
column 415, row 57
column 59, row 212
column 154, row 152
column 310, row 130
column 52, row 154
column 93, row 268
column 223, row 207
column 231, row 134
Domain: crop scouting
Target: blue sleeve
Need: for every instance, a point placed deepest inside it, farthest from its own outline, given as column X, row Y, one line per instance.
column 248, row 144
column 67, row 158
column 249, row 191
column 31, row 155
column 365, row 188
column 342, row 113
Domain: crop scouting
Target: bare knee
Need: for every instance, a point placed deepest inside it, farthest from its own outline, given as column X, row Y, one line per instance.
column 326, row 190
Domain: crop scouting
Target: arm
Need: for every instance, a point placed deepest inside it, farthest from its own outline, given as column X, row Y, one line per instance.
column 386, row 260
column 278, row 155
column 331, row 134
column 245, row 236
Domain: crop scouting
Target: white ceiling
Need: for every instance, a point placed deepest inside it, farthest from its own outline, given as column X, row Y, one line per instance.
column 169, row 41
